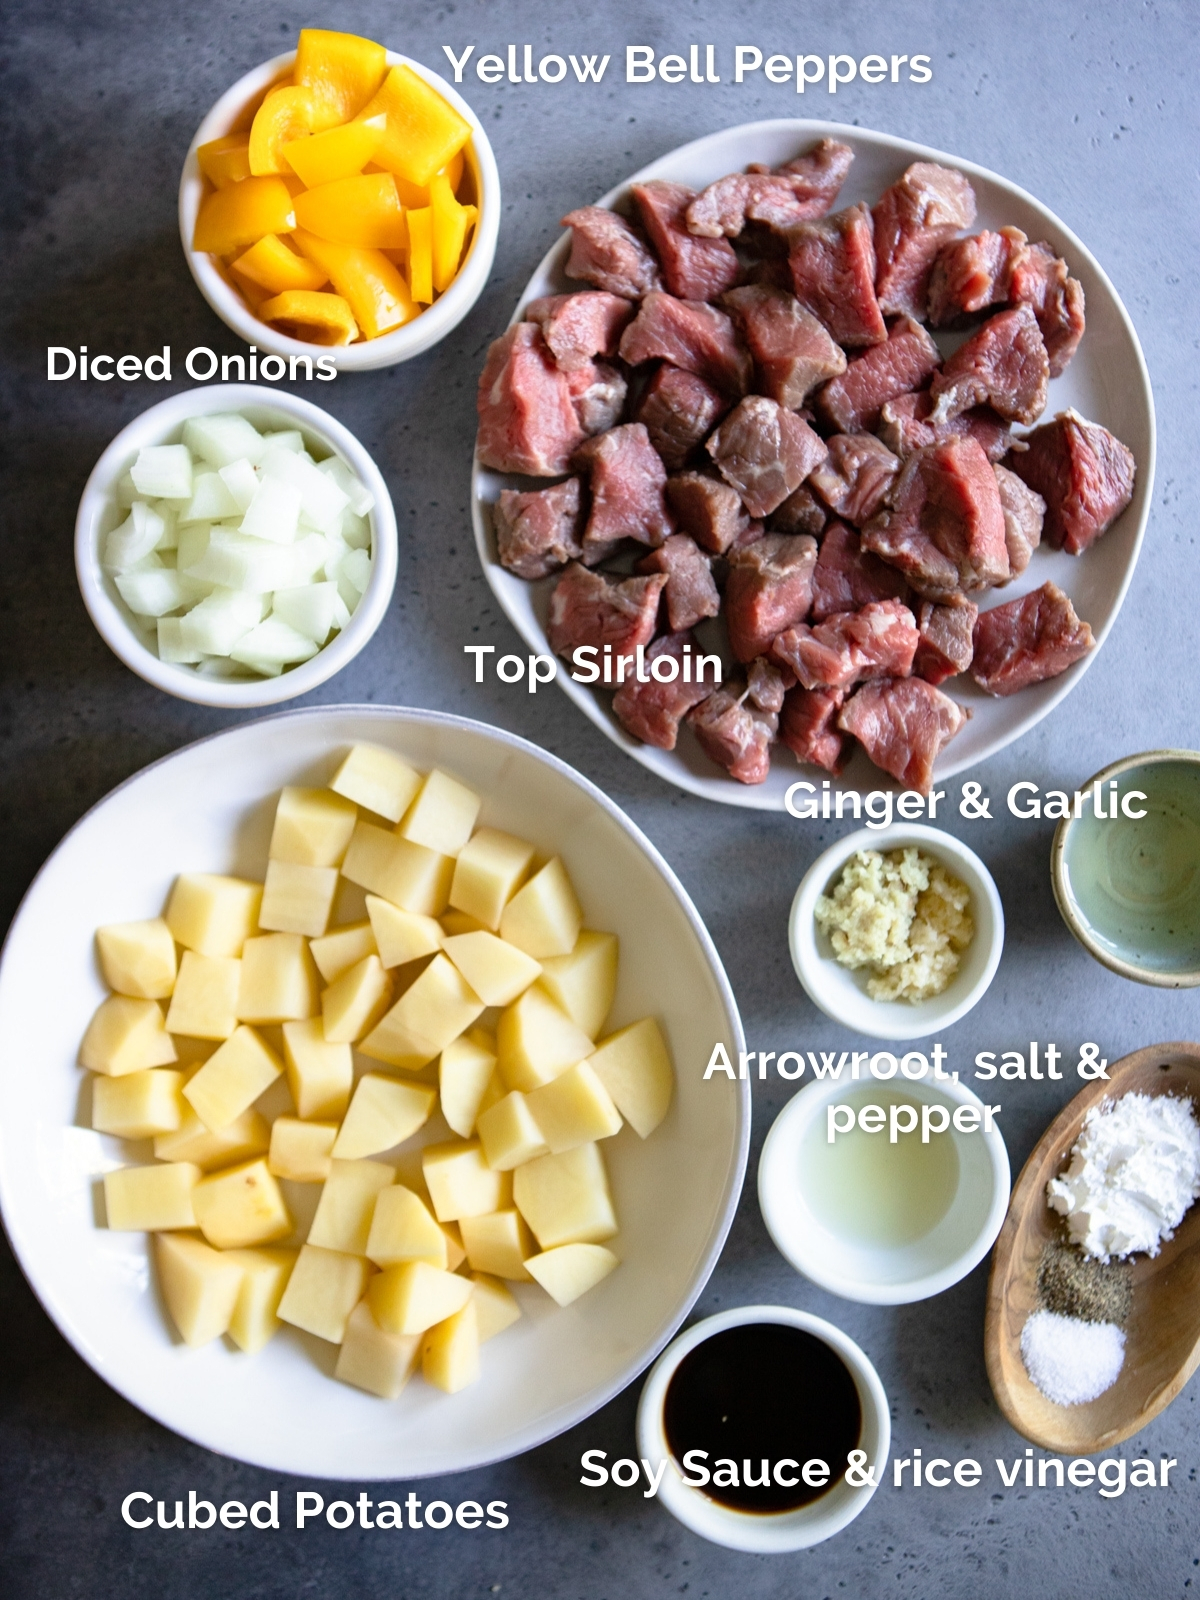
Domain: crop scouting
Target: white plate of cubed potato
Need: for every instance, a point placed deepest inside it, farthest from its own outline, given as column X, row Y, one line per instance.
column 445, row 1066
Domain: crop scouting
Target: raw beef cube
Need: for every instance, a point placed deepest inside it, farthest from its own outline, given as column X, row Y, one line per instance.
column 905, row 425
column 769, row 588
column 1040, row 281
column 586, row 608
column 598, row 395
column 946, row 529
column 538, row 532
column 833, row 274
column 652, row 711
column 750, row 534
column 1024, row 513
column 808, row 726
column 791, row 349
column 913, row 220
column 736, row 736
column 692, row 268
column 691, row 594
column 1004, row 366
column 847, row 577
column 767, row 683
column 526, row 420
column 971, row 274
column 877, row 642
column 1027, row 641
column 577, row 327
column 707, row 509
column 627, row 482
column 1083, row 473
column 606, row 251
column 799, row 191
column 946, row 645
column 851, row 403
column 691, row 335
column 679, row 411
column 801, row 512
column 855, row 477
column 902, row 723
column 820, row 172
column 765, row 451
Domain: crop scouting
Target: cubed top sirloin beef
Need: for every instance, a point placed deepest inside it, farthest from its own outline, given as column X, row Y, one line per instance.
column 769, row 588
column 627, row 480
column 801, row 512
column 852, row 402
column 1082, row 472
column 945, row 647
column 808, row 726
column 1040, row 280
column 855, row 477
column 652, row 711
column 691, row 595
column 538, row 532
column 1024, row 513
column 527, row 422
column 972, row 274
column 833, row 274
column 877, row 642
column 799, row 191
column 765, row 451
column 735, row 735
column 577, row 327
column 902, row 723
column 679, row 411
column 1004, row 366
column 793, row 354
column 847, row 577
column 606, row 252
column 587, row 608
column 1027, row 641
column 691, row 335
column 597, row 394
column 707, row 509
column 906, row 424
column 692, row 268
column 913, row 220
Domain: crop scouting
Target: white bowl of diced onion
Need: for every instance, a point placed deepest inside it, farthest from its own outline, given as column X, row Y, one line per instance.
column 235, row 549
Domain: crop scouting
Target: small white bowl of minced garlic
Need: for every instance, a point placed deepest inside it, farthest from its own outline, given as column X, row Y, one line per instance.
column 896, row 932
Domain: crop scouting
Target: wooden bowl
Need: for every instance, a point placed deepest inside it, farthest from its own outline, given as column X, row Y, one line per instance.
column 1162, row 1338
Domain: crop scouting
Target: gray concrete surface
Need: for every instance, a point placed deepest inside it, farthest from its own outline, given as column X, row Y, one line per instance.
column 1091, row 107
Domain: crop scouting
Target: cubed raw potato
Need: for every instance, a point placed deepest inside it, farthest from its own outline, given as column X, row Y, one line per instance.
column 428, row 1015
column 320, row 1075
column 383, row 1113
column 634, row 1065
column 498, row 972
column 312, row 827
column 402, row 936
column 509, row 1135
column 570, row 1270
column 413, row 1296
column 452, row 922
column 324, row 1288
column 464, row 1072
column 566, row 1199
column 535, row 1041
column 211, row 914
column 450, row 1352
column 377, row 779
column 491, row 867
column 455, row 1254
column 347, row 1204
column 496, row 1307
column 241, row 1206
column 498, row 1244
column 139, row 1105
column 199, row 1286
column 279, row 981
column 402, row 1229
column 543, row 918
column 126, row 1035
column 204, row 1000
column 495, row 1091
column 151, row 1199
column 460, row 1182
column 232, row 1079
column 343, row 948
column 354, row 1003
column 248, row 1135
column 442, row 815
column 574, row 1109
column 297, row 899
column 381, row 1363
column 265, row 1275
column 584, row 982
column 411, row 877
column 138, row 958
column 301, row 1150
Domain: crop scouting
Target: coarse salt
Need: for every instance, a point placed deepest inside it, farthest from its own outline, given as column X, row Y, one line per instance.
column 1071, row 1361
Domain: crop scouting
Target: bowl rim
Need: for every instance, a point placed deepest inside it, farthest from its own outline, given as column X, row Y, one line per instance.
column 425, row 330
column 927, row 1016
column 790, row 1240
column 756, row 1532
column 175, row 678
column 1069, row 908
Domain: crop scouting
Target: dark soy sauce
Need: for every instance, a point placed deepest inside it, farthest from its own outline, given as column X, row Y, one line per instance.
column 764, row 1391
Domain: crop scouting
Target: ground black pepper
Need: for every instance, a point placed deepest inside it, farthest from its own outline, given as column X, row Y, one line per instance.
column 1076, row 1285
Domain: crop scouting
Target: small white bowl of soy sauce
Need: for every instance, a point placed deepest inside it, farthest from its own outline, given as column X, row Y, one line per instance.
column 784, row 1413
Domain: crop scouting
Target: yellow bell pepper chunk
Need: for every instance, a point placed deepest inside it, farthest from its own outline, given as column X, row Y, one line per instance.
column 273, row 265
column 316, row 318
column 230, row 219
column 366, row 279
column 424, row 132
column 454, row 171
column 451, row 223
column 363, row 211
column 336, row 153
column 225, row 161
column 342, row 71
column 420, row 255
column 284, row 116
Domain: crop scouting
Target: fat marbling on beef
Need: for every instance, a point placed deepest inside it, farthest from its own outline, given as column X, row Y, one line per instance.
column 765, row 451
column 1028, row 640
column 691, row 594
column 1024, row 513
column 946, row 643
column 902, row 723
column 847, row 577
column 606, row 251
column 597, row 394
column 906, row 424
column 707, row 509
column 793, row 354
column 735, row 735
column 1004, row 365
column 1082, row 472
column 692, row 268
column 799, row 191
column 692, row 335
column 577, row 327
column 769, row 588
column 852, row 402
column 652, row 711
column 527, row 422
column 808, row 726
column 877, row 642
column 767, row 683
column 679, row 411
column 833, row 274
column 538, row 532
column 913, row 220
column 627, row 479
column 587, row 608
column 855, row 477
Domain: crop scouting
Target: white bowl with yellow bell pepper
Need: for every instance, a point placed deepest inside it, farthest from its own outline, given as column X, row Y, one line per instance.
column 346, row 203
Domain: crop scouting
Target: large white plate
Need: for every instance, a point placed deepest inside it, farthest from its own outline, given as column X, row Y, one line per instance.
column 1107, row 381
column 209, row 808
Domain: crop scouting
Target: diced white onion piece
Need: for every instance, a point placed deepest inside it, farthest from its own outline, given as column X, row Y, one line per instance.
column 152, row 594
column 126, row 492
column 191, row 544
column 341, row 613
column 135, row 538
column 222, row 438
column 169, row 539
column 171, row 646
column 321, row 501
column 240, row 478
column 356, row 568
column 215, row 625
column 273, row 641
column 274, row 511
column 236, row 561
column 360, row 497
column 311, row 609
column 286, row 438
column 308, row 557
column 210, row 500
column 356, row 530
column 163, row 469
column 338, row 549
column 349, row 594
